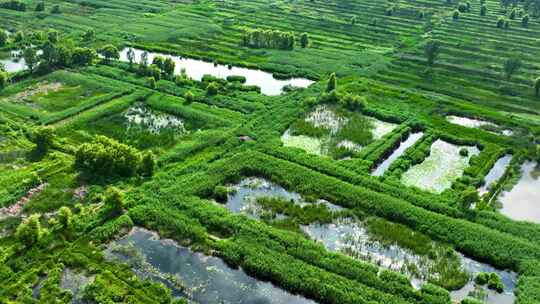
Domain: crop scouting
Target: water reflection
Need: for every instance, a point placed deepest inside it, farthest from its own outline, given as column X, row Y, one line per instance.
column 196, row 69
column 495, row 173
column 403, row 146
column 523, row 201
column 203, row 279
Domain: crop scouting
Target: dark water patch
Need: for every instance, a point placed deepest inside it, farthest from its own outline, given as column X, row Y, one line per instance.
column 198, row 277
column 403, row 146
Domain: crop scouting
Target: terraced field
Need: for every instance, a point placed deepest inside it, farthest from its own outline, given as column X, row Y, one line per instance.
column 269, row 152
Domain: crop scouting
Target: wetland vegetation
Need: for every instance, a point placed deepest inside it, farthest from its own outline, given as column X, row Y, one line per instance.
column 269, row 152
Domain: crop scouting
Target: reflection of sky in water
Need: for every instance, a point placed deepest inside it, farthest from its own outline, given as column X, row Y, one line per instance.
column 196, row 69
column 346, row 235
column 208, row 279
column 508, row 278
column 523, row 201
column 243, row 199
column 496, row 173
column 411, row 140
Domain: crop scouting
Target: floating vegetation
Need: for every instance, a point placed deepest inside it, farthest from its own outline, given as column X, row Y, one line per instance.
column 198, row 277
column 75, row 282
column 440, row 169
column 309, row 144
column 140, row 116
column 327, row 131
column 246, row 196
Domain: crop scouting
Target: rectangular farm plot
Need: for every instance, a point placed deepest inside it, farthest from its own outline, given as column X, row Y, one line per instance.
column 441, row 168
column 56, row 96
column 144, row 121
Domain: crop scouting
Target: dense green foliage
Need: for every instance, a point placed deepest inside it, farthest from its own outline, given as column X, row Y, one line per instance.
column 91, row 146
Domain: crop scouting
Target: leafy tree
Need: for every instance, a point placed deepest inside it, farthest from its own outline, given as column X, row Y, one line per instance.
column 148, row 164
column 432, row 50
column 40, row 7
column 56, row 9
column 500, row 22
column 3, row 37
column 332, row 83
column 130, row 56
column 42, row 137
column 109, row 51
column 212, row 89
column 189, row 97
column 353, row 20
column 462, row 8
column 537, row 86
column 114, row 200
column 168, row 67
column 19, row 36
column 89, row 35
column 353, row 102
column 483, row 10
column 65, row 218
column 50, row 55
column 107, row 157
column 159, row 61
column 29, row 232
column 30, row 58
column 83, row 56
column 152, row 82
column 53, row 36
column 468, row 197
column 525, row 21
column 4, row 78
column 455, row 15
column 273, row 39
column 511, row 66
column 512, row 14
column 304, row 40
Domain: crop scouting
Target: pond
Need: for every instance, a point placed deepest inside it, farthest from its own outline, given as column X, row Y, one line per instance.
column 495, row 174
column 15, row 63
column 403, row 146
column 508, row 278
column 441, row 168
column 196, row 69
column 351, row 237
column 140, row 116
column 243, row 197
column 198, row 277
column 331, row 131
column 523, row 201
column 476, row 123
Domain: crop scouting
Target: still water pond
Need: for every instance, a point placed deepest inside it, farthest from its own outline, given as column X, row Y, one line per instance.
column 403, row 146
column 495, row 174
column 198, row 277
column 196, row 69
column 523, row 201
column 351, row 237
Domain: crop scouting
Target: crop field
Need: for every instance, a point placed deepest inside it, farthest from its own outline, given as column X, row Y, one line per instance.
column 228, row 151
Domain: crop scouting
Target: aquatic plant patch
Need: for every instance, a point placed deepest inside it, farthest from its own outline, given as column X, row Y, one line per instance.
column 440, row 169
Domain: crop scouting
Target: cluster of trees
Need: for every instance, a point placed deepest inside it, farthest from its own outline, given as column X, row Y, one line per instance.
column 271, row 39
column 46, row 51
column 14, row 5
column 352, row 102
column 107, row 157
